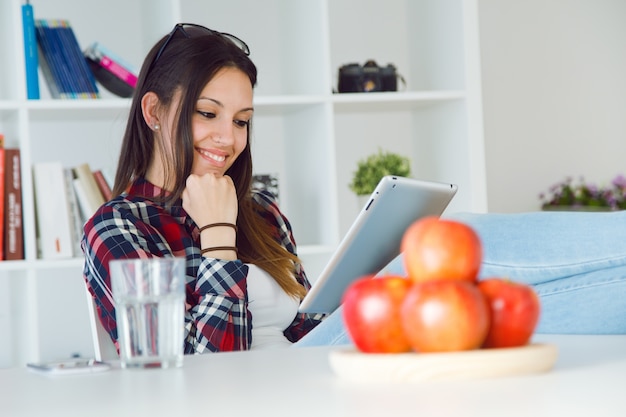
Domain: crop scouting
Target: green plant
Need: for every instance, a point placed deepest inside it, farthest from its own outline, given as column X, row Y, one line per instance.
column 371, row 169
column 581, row 194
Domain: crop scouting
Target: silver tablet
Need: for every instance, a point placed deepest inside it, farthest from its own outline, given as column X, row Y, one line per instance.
column 374, row 238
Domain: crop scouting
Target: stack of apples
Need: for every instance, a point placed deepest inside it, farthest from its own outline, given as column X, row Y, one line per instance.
column 441, row 305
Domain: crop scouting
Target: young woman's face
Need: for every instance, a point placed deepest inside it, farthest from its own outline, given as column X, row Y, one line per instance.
column 220, row 122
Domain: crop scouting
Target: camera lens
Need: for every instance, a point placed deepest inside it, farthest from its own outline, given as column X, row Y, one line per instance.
column 370, row 83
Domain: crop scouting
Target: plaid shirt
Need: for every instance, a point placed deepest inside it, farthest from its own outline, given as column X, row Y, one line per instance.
column 216, row 317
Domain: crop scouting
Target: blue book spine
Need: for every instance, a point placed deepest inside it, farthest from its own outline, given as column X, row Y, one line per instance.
column 48, row 68
column 69, row 82
column 80, row 69
column 30, row 52
column 67, row 52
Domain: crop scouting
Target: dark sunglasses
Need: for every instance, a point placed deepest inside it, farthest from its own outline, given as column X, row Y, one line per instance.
column 182, row 26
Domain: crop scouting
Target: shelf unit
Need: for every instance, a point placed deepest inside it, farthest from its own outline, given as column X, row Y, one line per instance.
column 303, row 132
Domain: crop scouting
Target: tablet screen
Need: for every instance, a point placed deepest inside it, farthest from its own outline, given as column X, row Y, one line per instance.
column 374, row 238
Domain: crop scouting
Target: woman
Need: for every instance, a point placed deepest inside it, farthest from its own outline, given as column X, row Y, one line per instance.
column 183, row 188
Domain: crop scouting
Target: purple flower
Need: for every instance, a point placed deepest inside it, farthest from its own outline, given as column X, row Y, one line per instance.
column 580, row 194
column 619, row 181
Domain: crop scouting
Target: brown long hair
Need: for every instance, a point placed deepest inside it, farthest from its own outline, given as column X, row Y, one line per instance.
column 185, row 66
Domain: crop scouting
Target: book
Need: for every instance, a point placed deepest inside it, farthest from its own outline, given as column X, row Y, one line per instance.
column 115, row 74
column 31, row 59
column 103, row 184
column 77, row 221
column 82, row 199
column 112, row 62
column 89, row 196
column 53, row 27
column 101, row 50
column 13, row 216
column 83, row 76
column 50, row 72
column 52, row 211
column 2, row 166
column 52, row 67
column 62, row 63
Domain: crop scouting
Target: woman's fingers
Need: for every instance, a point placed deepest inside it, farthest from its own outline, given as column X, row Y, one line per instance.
column 210, row 199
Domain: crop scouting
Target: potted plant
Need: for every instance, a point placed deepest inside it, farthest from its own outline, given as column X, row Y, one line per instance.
column 582, row 196
column 371, row 169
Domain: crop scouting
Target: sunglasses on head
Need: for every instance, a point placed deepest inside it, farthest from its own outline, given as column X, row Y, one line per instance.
column 182, row 27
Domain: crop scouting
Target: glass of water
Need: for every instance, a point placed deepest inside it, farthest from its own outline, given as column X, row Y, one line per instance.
column 149, row 299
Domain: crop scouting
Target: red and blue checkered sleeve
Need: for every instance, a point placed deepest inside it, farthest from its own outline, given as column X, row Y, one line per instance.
column 219, row 320
column 216, row 317
column 114, row 234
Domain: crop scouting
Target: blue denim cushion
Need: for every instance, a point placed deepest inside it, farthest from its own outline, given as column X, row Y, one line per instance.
column 537, row 247
column 576, row 261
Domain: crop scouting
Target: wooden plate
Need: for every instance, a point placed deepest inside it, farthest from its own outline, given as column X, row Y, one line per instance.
column 410, row 367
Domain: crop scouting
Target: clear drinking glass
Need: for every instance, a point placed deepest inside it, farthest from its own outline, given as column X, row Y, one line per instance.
column 149, row 299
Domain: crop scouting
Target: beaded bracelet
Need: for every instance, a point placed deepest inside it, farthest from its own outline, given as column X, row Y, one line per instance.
column 208, row 226
column 233, row 248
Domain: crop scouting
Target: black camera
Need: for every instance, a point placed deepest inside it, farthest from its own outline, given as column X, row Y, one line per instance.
column 356, row 78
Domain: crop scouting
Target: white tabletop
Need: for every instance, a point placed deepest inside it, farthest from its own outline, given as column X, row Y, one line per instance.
column 587, row 380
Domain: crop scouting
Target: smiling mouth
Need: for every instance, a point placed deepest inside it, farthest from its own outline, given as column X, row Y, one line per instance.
column 216, row 158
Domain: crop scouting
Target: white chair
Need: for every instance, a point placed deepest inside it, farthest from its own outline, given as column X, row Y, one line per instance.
column 103, row 346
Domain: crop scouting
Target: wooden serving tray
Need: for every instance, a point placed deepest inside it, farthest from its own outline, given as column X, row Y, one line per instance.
column 411, row 367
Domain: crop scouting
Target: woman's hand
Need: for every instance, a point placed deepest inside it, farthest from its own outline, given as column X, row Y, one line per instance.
column 210, row 199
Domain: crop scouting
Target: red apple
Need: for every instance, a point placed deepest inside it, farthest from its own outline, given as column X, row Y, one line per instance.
column 445, row 316
column 371, row 313
column 437, row 249
column 514, row 309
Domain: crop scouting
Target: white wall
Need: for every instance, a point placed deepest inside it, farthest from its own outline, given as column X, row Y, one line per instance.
column 554, row 95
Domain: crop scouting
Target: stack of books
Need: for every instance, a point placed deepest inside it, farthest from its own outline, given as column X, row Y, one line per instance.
column 63, row 65
column 65, row 198
column 115, row 74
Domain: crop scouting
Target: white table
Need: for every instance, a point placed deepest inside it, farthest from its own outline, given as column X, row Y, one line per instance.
column 588, row 379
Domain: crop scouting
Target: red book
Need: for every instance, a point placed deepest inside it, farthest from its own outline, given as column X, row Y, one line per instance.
column 103, row 185
column 2, row 197
column 13, row 233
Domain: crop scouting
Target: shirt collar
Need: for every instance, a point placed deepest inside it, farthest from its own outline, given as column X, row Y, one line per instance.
column 144, row 188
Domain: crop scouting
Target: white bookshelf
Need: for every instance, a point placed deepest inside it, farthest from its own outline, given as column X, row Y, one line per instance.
column 309, row 136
